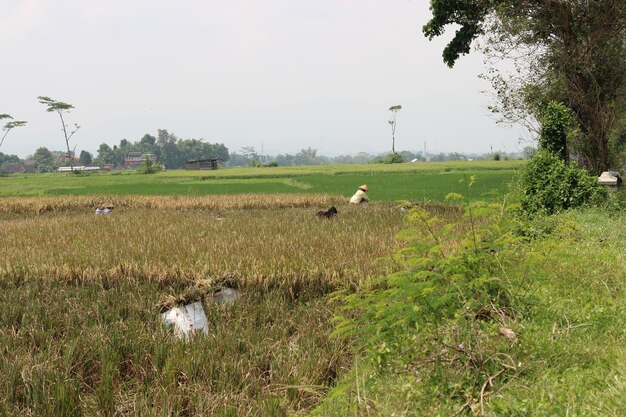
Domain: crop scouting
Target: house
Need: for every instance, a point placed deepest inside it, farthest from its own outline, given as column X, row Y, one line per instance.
column 64, row 157
column 135, row 159
column 202, row 164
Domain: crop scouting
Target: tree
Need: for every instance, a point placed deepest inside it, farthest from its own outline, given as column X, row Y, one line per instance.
column 307, row 156
column 147, row 144
column 394, row 111
column 246, row 155
column 528, row 152
column 555, row 125
column 6, row 160
column 60, row 107
column 45, row 158
column 148, row 140
column 9, row 125
column 170, row 154
column 85, row 158
column 568, row 51
column 407, row 156
column 105, row 155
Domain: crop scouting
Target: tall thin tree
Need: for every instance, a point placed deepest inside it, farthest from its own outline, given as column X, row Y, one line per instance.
column 60, row 107
column 392, row 122
column 9, row 125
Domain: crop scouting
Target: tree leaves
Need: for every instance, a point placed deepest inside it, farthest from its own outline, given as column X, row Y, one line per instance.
column 54, row 105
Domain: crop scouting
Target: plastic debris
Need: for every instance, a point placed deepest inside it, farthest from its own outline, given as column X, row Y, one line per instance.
column 188, row 321
column 104, row 209
column 610, row 178
column 226, row 296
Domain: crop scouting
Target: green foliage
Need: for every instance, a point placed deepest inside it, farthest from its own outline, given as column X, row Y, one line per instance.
column 45, row 158
column 496, row 156
column 469, row 14
column 170, row 151
column 9, row 126
column 54, row 105
column 447, row 301
column 149, row 167
column 306, row 156
column 7, row 159
column 568, row 306
column 390, row 158
column 556, row 121
column 547, row 185
column 258, row 164
column 573, row 52
column 60, row 108
column 85, row 158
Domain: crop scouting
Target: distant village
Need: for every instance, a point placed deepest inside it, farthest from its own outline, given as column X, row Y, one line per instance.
column 171, row 152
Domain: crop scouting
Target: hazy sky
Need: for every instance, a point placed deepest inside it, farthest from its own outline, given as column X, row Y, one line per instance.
column 286, row 73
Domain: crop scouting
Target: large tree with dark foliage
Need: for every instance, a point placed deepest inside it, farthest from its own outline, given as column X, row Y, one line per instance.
column 567, row 51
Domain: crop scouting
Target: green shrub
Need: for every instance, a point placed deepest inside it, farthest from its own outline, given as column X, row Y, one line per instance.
column 547, row 185
column 557, row 121
column 149, row 167
column 390, row 158
column 444, row 308
column 258, row 164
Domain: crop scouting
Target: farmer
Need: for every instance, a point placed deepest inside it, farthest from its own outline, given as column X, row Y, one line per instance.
column 360, row 197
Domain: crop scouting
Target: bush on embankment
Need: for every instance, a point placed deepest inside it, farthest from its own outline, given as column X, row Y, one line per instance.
column 484, row 320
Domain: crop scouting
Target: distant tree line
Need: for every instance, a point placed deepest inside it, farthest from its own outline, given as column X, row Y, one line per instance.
column 170, row 151
column 173, row 152
column 247, row 156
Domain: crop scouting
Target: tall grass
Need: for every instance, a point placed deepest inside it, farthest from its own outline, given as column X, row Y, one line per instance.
column 80, row 297
column 249, row 247
column 88, row 203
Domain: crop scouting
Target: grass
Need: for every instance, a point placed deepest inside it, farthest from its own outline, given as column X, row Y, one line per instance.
column 568, row 356
column 387, row 182
column 80, row 298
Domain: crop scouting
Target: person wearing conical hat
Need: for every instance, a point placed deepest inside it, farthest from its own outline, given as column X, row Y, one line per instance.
column 360, row 197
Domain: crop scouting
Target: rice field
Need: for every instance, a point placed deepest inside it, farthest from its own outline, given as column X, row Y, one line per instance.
column 80, row 298
column 423, row 181
column 81, row 295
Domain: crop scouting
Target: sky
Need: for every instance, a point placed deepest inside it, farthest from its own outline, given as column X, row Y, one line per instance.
column 277, row 75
